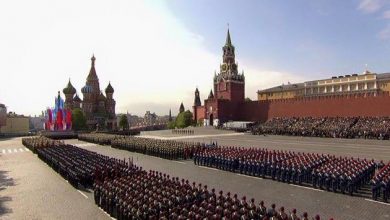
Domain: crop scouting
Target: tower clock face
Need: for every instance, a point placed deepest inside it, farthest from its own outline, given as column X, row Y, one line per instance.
column 224, row 67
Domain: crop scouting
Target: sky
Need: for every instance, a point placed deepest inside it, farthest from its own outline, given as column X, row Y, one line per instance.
column 155, row 53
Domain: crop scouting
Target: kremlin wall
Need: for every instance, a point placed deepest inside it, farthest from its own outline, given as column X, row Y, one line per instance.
column 364, row 94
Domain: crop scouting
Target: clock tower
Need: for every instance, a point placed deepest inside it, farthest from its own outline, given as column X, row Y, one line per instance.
column 228, row 83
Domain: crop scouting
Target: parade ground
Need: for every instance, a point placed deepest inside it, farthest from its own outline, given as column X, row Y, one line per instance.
column 29, row 189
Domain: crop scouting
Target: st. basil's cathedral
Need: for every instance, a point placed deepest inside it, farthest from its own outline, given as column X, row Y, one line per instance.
column 99, row 109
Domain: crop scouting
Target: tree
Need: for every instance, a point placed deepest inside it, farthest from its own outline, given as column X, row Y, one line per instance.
column 184, row 119
column 171, row 125
column 247, row 99
column 123, row 123
column 79, row 122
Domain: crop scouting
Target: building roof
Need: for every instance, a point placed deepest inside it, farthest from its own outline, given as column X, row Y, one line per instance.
column 383, row 76
column 283, row 87
column 301, row 85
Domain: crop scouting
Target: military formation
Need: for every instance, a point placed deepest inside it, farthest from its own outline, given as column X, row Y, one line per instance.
column 380, row 184
column 39, row 142
column 183, row 131
column 334, row 127
column 167, row 149
column 98, row 138
column 126, row 191
column 75, row 164
column 327, row 172
column 138, row 194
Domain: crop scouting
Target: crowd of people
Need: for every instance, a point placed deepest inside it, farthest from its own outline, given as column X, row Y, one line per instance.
column 183, row 131
column 335, row 127
column 380, row 184
column 167, row 149
column 126, row 191
column 327, row 172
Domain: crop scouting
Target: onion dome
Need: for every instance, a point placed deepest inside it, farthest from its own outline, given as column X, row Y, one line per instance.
column 87, row 89
column 101, row 97
column 76, row 98
column 69, row 89
column 109, row 88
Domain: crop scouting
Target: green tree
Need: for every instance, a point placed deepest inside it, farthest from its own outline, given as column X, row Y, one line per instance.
column 79, row 122
column 171, row 125
column 184, row 119
column 123, row 123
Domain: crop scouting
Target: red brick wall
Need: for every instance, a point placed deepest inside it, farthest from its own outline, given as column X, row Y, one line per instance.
column 316, row 107
column 200, row 112
column 230, row 91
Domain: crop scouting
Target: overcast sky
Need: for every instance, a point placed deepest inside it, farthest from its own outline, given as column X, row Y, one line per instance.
column 155, row 53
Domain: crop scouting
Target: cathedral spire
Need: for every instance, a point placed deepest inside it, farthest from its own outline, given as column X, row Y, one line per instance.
column 92, row 73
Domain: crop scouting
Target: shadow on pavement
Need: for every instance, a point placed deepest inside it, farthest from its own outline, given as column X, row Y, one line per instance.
column 5, row 182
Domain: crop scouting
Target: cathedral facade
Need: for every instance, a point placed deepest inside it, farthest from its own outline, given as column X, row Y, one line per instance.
column 99, row 109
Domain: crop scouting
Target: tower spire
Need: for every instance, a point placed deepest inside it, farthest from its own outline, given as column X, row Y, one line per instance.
column 228, row 39
column 93, row 60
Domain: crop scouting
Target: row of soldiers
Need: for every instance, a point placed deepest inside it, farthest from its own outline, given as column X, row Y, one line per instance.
column 183, row 131
column 337, row 174
column 33, row 143
column 98, row 138
column 137, row 194
column 75, row 164
column 336, row 127
column 380, row 184
column 168, row 149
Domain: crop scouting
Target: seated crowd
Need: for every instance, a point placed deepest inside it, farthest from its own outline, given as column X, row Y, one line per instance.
column 336, row 127
column 328, row 172
column 167, row 149
column 126, row 191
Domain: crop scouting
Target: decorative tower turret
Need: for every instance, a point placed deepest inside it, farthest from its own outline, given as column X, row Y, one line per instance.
column 197, row 101
column 76, row 101
column 211, row 95
column 181, row 109
column 170, row 116
column 110, row 102
column 93, row 82
column 69, row 92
